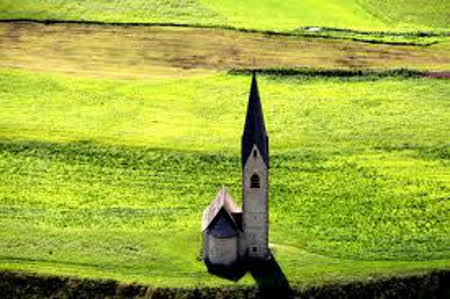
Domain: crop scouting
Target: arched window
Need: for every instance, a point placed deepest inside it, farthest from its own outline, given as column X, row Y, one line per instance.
column 254, row 181
column 255, row 154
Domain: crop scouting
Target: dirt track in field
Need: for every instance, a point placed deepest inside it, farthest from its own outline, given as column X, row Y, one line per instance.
column 155, row 52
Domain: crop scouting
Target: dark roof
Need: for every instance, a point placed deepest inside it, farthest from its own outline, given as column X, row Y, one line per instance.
column 222, row 201
column 254, row 129
column 223, row 226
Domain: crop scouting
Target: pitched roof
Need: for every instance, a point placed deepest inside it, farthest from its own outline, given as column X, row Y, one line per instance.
column 222, row 200
column 223, row 225
column 254, row 129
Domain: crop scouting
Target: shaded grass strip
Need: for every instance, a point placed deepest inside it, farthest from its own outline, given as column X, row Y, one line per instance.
column 25, row 285
column 390, row 33
column 331, row 73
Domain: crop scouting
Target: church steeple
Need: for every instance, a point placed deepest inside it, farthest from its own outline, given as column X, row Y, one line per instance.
column 255, row 179
column 255, row 129
column 230, row 235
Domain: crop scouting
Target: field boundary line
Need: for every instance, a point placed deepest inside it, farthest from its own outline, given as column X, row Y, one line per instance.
column 296, row 33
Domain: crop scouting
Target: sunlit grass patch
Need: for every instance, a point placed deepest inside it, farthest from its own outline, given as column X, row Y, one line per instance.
column 386, row 15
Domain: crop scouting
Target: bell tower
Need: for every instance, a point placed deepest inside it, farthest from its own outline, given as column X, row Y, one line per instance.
column 255, row 175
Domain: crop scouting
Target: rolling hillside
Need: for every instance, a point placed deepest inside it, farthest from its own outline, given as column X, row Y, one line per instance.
column 108, row 178
column 385, row 15
column 114, row 137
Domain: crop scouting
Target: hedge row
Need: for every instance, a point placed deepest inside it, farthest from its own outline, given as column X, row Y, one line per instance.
column 21, row 285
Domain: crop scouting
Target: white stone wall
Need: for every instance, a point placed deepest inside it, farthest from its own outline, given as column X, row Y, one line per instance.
column 222, row 251
column 242, row 244
column 255, row 209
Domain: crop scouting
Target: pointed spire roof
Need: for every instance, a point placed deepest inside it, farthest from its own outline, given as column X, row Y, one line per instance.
column 254, row 122
column 254, row 130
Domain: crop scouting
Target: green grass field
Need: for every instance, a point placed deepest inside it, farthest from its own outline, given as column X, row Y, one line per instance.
column 113, row 139
column 386, row 15
column 108, row 178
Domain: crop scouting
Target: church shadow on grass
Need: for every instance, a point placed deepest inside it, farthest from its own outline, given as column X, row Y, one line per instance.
column 268, row 276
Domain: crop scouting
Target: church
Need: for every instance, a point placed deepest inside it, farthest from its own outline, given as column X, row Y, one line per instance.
column 232, row 235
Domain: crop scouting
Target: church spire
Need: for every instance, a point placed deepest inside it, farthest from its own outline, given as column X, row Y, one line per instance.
column 255, row 129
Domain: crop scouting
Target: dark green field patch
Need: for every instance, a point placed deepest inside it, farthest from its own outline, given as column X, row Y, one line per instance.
column 431, row 285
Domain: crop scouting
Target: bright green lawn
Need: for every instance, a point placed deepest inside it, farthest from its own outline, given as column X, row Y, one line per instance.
column 255, row 14
column 179, row 11
column 405, row 13
column 291, row 14
column 104, row 178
